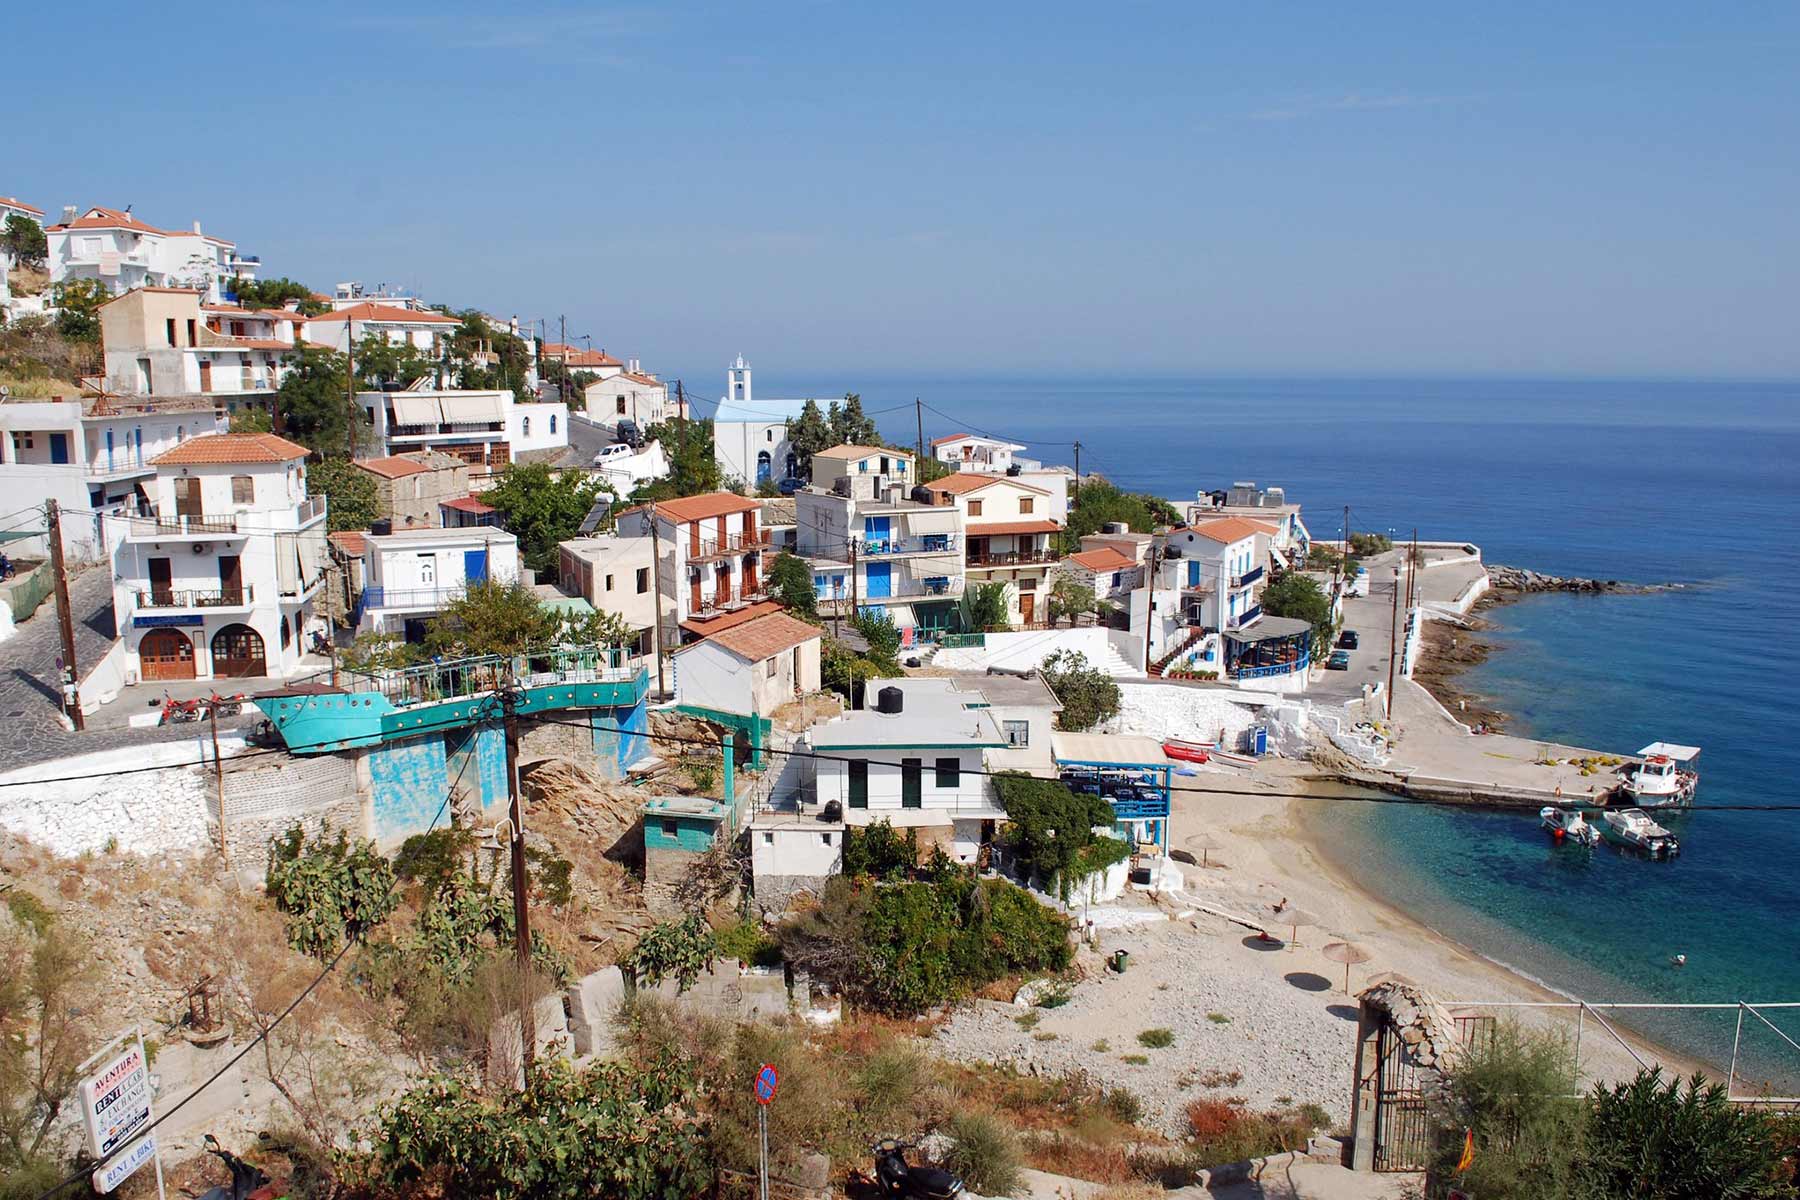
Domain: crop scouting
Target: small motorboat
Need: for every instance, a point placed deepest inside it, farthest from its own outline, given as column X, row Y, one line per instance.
column 1665, row 779
column 1633, row 827
column 1565, row 824
column 1197, row 752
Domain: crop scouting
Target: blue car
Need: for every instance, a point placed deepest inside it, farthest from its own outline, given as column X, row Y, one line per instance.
column 790, row 485
column 1339, row 661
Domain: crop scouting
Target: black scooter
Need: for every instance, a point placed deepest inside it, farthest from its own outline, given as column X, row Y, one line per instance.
column 245, row 1178
column 896, row 1177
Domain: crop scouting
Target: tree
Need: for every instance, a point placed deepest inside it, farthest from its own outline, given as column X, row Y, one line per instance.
column 330, row 888
column 1087, row 694
column 693, row 468
column 985, row 609
column 1514, row 1091
column 808, row 434
column 373, row 653
column 78, row 302
column 253, row 418
column 489, row 358
column 1675, row 1139
column 492, row 617
column 846, row 672
column 791, row 583
column 883, row 636
column 24, row 242
column 850, row 427
column 1070, row 598
column 542, row 508
column 350, row 489
column 679, row 949
column 381, row 360
column 1102, row 503
column 1300, row 597
column 880, row 852
column 596, row 627
column 47, row 982
column 275, row 294
column 1050, row 829
column 315, row 404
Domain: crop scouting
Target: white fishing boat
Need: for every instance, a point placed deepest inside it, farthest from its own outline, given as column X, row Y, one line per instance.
column 1666, row 778
column 1633, row 827
column 1565, row 824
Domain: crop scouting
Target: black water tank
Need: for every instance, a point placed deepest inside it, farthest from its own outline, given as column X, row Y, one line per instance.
column 384, row 526
column 890, row 700
column 833, row 811
column 921, row 495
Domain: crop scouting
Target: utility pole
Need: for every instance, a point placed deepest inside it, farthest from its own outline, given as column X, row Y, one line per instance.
column 1393, row 643
column 212, row 716
column 656, row 640
column 1150, row 602
column 1077, row 500
column 350, row 388
column 919, row 416
column 681, row 422
column 1344, row 557
column 71, row 681
column 520, row 883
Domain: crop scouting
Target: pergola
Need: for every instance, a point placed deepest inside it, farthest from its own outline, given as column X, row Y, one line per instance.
column 1271, row 646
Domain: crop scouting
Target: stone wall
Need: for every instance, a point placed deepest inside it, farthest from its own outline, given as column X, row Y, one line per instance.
column 264, row 797
column 777, row 893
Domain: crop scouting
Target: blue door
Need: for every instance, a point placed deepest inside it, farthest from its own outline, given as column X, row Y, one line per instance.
column 1193, row 572
column 475, row 566
column 763, row 467
column 881, row 580
column 109, row 449
column 59, row 447
column 875, row 532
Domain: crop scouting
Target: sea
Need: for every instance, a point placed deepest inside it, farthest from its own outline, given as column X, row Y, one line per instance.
column 1688, row 482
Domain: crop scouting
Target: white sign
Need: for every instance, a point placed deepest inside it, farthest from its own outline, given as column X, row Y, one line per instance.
column 116, row 1101
column 123, row 1167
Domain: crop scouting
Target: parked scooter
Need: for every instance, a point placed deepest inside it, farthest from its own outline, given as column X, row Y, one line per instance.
column 176, row 711
column 896, row 1177
column 245, row 1178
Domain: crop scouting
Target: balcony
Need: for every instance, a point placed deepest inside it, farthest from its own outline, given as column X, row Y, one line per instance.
column 310, row 511
column 1298, row 665
column 119, row 466
column 713, row 606
column 1247, row 578
column 1244, row 618
column 930, row 588
column 432, row 598
column 731, row 543
column 1012, row 558
column 447, row 429
column 930, row 543
column 306, row 588
column 239, row 597
column 155, row 528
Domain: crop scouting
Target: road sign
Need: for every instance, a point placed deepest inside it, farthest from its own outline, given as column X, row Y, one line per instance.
column 768, row 1082
column 123, row 1167
column 116, row 1101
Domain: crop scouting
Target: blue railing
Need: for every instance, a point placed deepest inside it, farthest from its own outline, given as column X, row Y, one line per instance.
column 1248, row 577
column 959, row 641
column 434, row 682
column 927, row 544
column 1138, row 808
column 381, row 596
column 1298, row 665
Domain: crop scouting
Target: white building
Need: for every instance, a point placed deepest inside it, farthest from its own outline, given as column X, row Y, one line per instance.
column 1288, row 536
column 411, row 574
column 344, row 328
column 9, row 208
column 123, row 252
column 871, row 546
column 574, row 358
column 1108, row 572
column 1024, row 708
column 483, row 428
column 1011, row 538
column 219, row 579
column 163, row 342
column 93, row 456
column 612, row 573
column 750, row 436
column 751, row 669
column 972, row 452
column 629, row 395
column 708, row 551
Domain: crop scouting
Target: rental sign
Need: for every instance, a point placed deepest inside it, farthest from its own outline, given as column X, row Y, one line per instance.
column 116, row 1101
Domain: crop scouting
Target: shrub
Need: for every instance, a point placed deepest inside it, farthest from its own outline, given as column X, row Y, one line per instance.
column 1676, row 1138
column 672, row 949
column 748, row 942
column 1087, row 694
column 889, row 1080
column 984, row 1153
column 1122, row 1105
column 1515, row 1091
column 1050, row 829
column 1218, row 1018
column 433, row 858
column 1136, row 1060
column 1224, row 1132
column 880, row 852
column 330, row 889
column 1157, row 1039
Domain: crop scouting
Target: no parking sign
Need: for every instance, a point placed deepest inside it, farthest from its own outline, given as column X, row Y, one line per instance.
column 768, row 1082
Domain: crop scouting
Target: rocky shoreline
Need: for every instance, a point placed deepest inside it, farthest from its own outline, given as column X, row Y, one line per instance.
column 1525, row 581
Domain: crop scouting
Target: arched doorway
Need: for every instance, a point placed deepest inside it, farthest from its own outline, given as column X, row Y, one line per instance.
column 166, row 654
column 763, row 466
column 237, row 651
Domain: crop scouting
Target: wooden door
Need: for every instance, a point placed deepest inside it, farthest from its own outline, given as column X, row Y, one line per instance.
column 162, row 584
column 231, row 578
column 166, row 654
column 237, row 652
column 694, row 593
column 206, row 374
column 187, row 498
column 1027, row 607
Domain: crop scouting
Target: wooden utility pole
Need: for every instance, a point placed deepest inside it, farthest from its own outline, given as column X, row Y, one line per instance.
column 1344, row 557
column 919, row 416
column 350, row 388
column 71, row 680
column 656, row 640
column 212, row 716
column 520, row 883
column 1150, row 602
column 1412, row 573
column 1393, row 643
column 681, row 422
column 1077, row 499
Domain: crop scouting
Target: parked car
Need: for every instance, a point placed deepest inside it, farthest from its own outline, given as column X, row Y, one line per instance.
column 1348, row 640
column 1339, row 661
column 610, row 453
column 791, row 484
column 627, row 431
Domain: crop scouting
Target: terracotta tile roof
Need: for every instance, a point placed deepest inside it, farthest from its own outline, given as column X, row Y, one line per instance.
column 219, row 241
column 1103, row 559
column 231, row 448
column 762, row 637
column 707, row 626
column 391, row 467
column 108, row 218
column 21, row 205
column 1229, row 529
column 848, row 451
column 963, row 481
column 370, row 311
column 571, row 357
column 254, row 314
column 468, row 504
column 955, row 437
column 701, row 508
column 1003, row 528
column 646, row 380
column 350, row 541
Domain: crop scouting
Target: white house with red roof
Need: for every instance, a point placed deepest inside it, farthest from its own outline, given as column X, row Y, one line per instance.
column 219, row 577
column 344, row 328
column 628, row 395
column 708, row 552
column 123, row 252
column 1107, row 571
column 574, row 358
column 1010, row 532
column 486, row 428
column 974, row 452
column 410, row 575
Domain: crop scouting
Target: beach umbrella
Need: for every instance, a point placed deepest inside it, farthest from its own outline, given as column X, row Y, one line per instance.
column 1204, row 845
column 1293, row 918
column 1346, row 953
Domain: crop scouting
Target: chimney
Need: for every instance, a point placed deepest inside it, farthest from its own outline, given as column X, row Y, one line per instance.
column 68, row 213
column 196, row 227
column 632, row 365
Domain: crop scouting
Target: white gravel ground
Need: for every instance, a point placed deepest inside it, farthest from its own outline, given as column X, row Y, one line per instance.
column 1162, row 710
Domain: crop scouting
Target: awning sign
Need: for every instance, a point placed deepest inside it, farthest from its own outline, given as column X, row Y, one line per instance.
column 116, row 1101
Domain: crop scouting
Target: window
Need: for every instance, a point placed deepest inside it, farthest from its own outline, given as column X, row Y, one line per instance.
column 243, row 489
column 609, row 583
column 769, row 435
column 643, row 580
column 859, row 784
column 621, row 406
column 525, row 427
column 769, row 669
column 1025, row 503
column 553, row 423
column 670, row 828
column 949, row 772
column 1018, row 734
column 193, row 339
column 1028, row 584
column 974, row 508
column 171, row 330
column 826, row 838
column 768, row 839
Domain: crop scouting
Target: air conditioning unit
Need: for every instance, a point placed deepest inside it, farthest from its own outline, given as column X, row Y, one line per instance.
column 201, row 547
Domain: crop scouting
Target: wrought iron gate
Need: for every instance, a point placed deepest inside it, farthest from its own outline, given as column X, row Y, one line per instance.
column 1404, row 1137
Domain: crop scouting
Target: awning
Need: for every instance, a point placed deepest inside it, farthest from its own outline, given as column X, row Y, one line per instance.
column 414, row 410
column 1268, row 629
column 1117, row 749
column 1010, row 528
column 1672, row 750
column 476, row 409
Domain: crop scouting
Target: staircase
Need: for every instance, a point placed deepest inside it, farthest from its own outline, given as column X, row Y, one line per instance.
column 1161, row 664
column 1113, row 663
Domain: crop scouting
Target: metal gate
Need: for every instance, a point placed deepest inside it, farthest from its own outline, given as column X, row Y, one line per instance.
column 1404, row 1138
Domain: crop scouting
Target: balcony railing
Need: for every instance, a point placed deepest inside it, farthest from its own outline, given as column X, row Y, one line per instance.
column 1248, row 615
column 1012, row 558
column 433, row 683
column 1291, row 667
column 311, row 509
column 181, row 526
column 930, row 543
column 715, row 605
column 303, row 587
column 932, row 588
column 732, row 543
column 1247, row 578
column 445, row 429
column 118, row 466
column 379, row 596
column 239, row 597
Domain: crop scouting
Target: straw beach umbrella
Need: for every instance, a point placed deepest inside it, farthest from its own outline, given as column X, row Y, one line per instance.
column 1293, row 918
column 1205, row 845
column 1346, row 953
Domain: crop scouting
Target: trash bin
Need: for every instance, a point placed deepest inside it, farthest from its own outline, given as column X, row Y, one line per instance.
column 1120, row 960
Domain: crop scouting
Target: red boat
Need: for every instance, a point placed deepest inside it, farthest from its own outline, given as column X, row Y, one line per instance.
column 1188, row 751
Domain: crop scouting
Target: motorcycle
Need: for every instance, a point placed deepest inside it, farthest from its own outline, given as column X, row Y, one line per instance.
column 176, row 711
column 229, row 706
column 245, row 1178
column 894, row 1176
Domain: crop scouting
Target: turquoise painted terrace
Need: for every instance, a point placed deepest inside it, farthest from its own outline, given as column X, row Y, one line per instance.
column 371, row 709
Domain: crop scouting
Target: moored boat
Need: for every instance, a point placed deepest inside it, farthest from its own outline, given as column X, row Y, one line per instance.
column 1633, row 827
column 1665, row 778
column 1189, row 751
column 1567, row 824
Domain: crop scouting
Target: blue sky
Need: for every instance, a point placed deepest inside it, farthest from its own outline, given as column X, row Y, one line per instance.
column 1291, row 188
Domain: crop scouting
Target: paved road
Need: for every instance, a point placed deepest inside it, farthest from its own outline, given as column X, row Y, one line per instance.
column 585, row 441
column 1372, row 617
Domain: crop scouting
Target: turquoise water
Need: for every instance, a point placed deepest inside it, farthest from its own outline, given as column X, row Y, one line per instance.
column 1694, row 482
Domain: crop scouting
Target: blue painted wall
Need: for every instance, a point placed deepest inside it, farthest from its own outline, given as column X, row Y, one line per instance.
column 408, row 782
column 694, row 834
column 487, row 772
column 615, row 746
